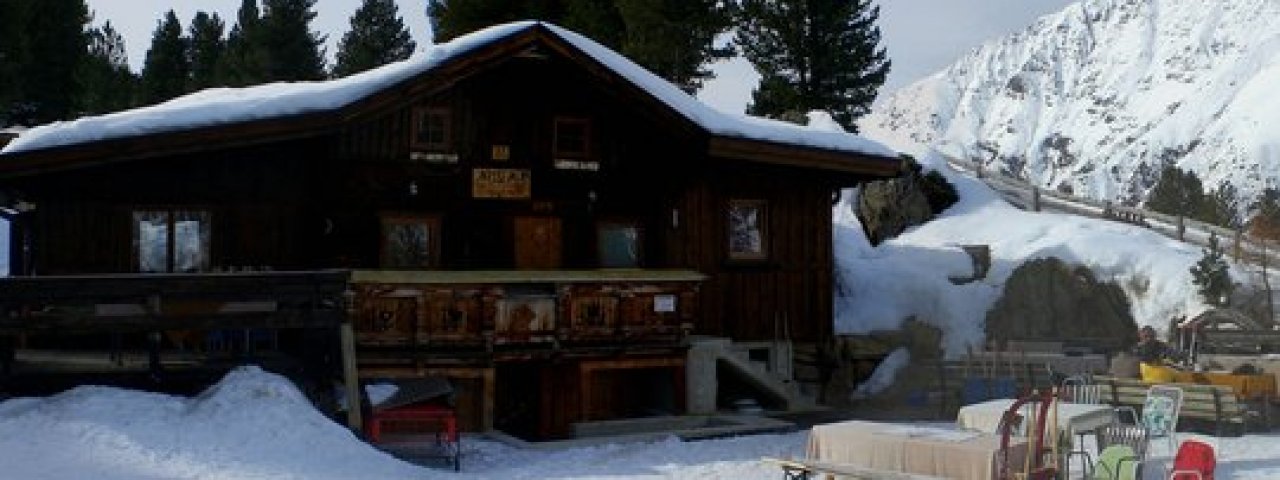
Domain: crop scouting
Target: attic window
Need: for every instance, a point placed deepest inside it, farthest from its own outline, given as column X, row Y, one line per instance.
column 432, row 129
column 171, row 241
column 572, row 139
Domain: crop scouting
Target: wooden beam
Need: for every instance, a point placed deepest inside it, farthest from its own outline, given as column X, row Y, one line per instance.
column 350, row 377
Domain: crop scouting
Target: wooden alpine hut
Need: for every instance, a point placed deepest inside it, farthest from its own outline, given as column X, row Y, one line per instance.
column 520, row 210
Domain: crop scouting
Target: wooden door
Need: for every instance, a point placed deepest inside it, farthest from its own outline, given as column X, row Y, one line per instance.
column 537, row 242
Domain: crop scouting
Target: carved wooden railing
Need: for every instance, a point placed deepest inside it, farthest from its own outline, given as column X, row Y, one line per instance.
column 496, row 309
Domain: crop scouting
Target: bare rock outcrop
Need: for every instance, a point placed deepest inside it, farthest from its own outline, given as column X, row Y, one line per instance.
column 1047, row 299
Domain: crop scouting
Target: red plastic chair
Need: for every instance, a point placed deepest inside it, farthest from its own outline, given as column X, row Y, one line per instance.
column 1195, row 461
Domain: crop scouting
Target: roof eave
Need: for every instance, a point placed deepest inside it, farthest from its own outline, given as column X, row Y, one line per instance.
column 813, row 158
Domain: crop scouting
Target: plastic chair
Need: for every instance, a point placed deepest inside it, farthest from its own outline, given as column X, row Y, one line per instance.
column 1117, row 462
column 1160, row 413
column 1079, row 389
column 1195, row 461
column 1119, row 445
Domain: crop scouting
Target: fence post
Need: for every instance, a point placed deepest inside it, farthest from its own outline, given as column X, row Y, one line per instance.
column 1035, row 198
column 1182, row 229
column 1235, row 247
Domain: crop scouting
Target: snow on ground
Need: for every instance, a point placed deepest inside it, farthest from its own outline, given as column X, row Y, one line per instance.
column 255, row 425
column 880, row 286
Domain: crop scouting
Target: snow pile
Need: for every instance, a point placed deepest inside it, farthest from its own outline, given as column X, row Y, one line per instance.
column 907, row 276
column 251, row 425
column 1096, row 97
column 882, row 377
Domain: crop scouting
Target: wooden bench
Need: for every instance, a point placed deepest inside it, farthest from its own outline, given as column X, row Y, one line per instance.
column 811, row 469
column 1212, row 403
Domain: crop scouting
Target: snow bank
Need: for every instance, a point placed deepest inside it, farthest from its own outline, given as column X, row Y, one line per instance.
column 877, row 288
column 250, row 425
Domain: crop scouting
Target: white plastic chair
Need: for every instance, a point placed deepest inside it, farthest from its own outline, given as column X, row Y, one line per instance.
column 1080, row 389
column 1160, row 414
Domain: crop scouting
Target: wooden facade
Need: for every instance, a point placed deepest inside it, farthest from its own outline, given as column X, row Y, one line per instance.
column 521, row 217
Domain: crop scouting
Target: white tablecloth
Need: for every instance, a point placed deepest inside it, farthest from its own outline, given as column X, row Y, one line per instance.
column 1074, row 418
column 939, row 452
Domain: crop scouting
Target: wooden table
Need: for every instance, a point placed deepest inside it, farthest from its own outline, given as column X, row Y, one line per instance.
column 1073, row 418
column 1250, row 387
column 934, row 451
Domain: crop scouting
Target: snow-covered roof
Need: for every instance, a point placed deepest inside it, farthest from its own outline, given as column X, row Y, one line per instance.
column 225, row 106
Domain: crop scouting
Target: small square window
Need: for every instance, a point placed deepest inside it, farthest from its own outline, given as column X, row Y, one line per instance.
column 619, row 244
column 410, row 241
column 572, row 139
column 748, row 229
column 432, row 129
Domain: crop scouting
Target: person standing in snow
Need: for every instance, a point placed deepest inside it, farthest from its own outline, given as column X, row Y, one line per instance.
column 1151, row 350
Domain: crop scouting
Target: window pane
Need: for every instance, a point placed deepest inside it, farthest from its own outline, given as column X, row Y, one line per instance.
column 747, row 229
column 407, row 245
column 571, row 138
column 619, row 246
column 191, row 241
column 151, row 241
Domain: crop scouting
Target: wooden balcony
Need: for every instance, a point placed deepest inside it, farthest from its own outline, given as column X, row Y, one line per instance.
column 148, row 302
column 493, row 311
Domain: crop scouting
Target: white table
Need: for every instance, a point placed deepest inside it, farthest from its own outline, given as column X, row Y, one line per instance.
column 1073, row 418
column 922, row 450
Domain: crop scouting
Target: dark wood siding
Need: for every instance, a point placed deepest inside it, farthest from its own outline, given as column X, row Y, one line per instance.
column 748, row 300
column 257, row 197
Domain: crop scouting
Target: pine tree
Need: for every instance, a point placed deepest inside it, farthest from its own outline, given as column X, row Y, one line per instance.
column 13, row 56
column 164, row 73
column 1176, row 192
column 1212, row 276
column 108, row 84
column 290, row 49
column 450, row 19
column 813, row 55
column 599, row 20
column 1221, row 207
column 206, row 50
column 675, row 38
column 243, row 63
column 377, row 37
column 44, row 44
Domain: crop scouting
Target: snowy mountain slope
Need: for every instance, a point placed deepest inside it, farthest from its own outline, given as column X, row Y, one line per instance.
column 1094, row 98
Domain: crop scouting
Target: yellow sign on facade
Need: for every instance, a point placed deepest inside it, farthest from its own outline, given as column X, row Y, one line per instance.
column 501, row 183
